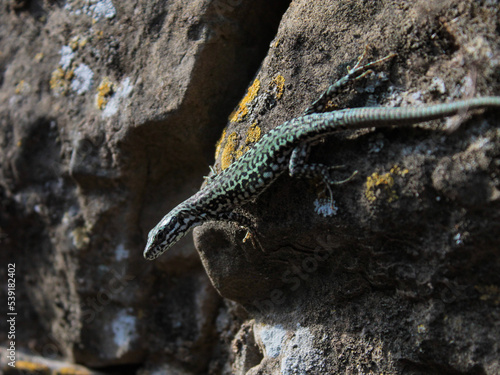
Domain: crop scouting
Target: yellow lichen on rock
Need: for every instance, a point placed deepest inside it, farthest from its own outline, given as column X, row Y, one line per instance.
column 240, row 151
column 242, row 111
column 32, row 366
column 376, row 180
column 229, row 151
column 104, row 91
column 77, row 42
column 385, row 182
column 60, row 81
column 220, row 142
column 229, row 148
column 72, row 371
column 396, row 170
column 22, row 87
column 330, row 106
column 253, row 134
column 279, row 85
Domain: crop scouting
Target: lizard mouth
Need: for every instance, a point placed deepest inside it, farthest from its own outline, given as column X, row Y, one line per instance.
column 150, row 254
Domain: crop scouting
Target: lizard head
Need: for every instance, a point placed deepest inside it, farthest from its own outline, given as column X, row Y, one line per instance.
column 167, row 232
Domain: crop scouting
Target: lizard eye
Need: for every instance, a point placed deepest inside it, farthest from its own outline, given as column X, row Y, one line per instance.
column 165, row 222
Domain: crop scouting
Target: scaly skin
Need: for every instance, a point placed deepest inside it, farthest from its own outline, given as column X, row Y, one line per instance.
column 279, row 151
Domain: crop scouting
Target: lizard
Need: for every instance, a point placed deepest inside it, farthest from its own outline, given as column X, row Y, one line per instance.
column 285, row 148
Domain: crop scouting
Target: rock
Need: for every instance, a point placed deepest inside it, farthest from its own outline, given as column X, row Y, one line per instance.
column 109, row 116
column 376, row 282
column 466, row 176
column 247, row 354
column 104, row 107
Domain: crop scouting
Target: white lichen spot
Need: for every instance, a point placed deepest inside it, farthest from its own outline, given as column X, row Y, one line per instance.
column 300, row 357
column 438, row 85
column 67, row 56
column 122, row 92
column 96, row 9
column 102, row 9
column 417, row 97
column 121, row 253
column 82, row 80
column 325, row 207
column 124, row 331
column 272, row 339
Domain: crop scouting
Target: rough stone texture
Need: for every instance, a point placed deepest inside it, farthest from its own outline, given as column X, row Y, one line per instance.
column 403, row 276
column 109, row 115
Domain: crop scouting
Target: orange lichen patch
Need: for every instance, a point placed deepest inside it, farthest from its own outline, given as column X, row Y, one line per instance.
column 253, row 134
column 104, row 91
column 77, row 42
column 330, row 106
column 60, row 80
column 240, row 151
column 218, row 146
column 489, row 293
column 384, row 182
column 375, row 181
column 38, row 57
column 242, row 111
column 36, row 368
column 71, row 371
column 19, row 87
column 395, row 170
column 229, row 151
column 22, row 87
column 278, row 85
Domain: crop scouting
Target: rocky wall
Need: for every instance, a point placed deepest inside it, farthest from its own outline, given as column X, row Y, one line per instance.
column 110, row 115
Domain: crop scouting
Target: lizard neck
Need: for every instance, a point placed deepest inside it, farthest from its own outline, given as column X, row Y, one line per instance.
column 175, row 225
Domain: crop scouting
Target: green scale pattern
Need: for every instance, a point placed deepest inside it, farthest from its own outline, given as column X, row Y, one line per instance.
column 282, row 149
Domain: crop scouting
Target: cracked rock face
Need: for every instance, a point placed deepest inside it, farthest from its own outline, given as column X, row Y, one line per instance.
column 110, row 114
